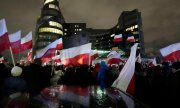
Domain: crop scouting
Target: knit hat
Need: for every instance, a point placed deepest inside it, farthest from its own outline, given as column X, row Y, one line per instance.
column 16, row 71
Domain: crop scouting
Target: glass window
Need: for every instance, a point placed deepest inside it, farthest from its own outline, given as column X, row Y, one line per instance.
column 48, row 1
column 53, row 30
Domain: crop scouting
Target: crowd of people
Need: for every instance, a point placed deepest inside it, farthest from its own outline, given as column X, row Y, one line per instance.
column 156, row 86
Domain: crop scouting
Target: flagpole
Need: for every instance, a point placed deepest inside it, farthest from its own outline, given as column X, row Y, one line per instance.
column 12, row 56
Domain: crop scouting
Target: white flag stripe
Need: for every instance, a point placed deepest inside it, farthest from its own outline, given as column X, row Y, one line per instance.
column 53, row 45
column 27, row 38
column 169, row 49
column 72, row 52
column 3, row 28
column 14, row 37
column 118, row 36
column 127, row 72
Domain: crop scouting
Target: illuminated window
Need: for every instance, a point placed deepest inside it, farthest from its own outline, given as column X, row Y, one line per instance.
column 80, row 29
column 56, row 24
column 53, row 6
column 65, row 33
column 48, row 1
column 136, row 26
column 65, row 29
column 53, row 30
column 74, row 33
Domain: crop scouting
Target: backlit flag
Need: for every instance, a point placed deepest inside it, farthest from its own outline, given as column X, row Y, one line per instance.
column 123, row 82
column 29, row 56
column 26, row 42
column 57, row 60
column 94, row 55
column 171, row 52
column 15, row 41
column 1, row 59
column 50, row 50
column 113, row 58
column 117, row 38
column 76, row 55
column 130, row 39
column 4, row 39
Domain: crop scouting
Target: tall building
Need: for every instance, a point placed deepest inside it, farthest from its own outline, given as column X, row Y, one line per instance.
column 49, row 24
column 129, row 24
column 74, row 35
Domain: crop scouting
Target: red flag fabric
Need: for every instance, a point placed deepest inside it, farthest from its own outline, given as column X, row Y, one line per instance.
column 130, row 39
column 117, row 38
column 125, row 77
column 113, row 58
column 171, row 52
column 76, row 55
column 4, row 39
column 94, row 55
column 50, row 50
column 29, row 56
column 26, row 42
column 15, row 41
column 2, row 60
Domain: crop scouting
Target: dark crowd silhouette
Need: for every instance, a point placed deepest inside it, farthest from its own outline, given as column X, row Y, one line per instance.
column 156, row 86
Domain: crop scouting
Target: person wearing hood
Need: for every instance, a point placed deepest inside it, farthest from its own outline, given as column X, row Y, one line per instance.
column 102, row 74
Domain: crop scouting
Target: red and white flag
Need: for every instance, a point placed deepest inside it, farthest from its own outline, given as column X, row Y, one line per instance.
column 76, row 55
column 171, row 52
column 113, row 58
column 1, row 59
column 130, row 39
column 50, row 50
column 4, row 39
column 94, row 55
column 138, row 59
column 125, row 79
column 57, row 60
column 29, row 56
column 15, row 41
column 152, row 63
column 117, row 38
column 26, row 42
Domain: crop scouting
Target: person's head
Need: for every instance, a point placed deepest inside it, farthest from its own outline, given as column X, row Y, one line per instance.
column 16, row 71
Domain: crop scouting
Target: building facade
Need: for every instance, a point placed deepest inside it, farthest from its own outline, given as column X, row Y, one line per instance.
column 49, row 25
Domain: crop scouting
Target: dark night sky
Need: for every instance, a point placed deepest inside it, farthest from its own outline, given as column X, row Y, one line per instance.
column 160, row 18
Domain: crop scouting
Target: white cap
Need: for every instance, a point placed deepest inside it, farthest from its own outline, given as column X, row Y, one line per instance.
column 16, row 71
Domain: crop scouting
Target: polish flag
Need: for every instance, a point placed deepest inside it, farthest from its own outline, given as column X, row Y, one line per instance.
column 4, row 39
column 113, row 58
column 118, row 38
column 15, row 41
column 76, row 55
column 130, row 39
column 50, row 50
column 125, row 80
column 153, row 63
column 57, row 60
column 26, row 42
column 1, row 59
column 171, row 52
column 94, row 55
column 29, row 56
